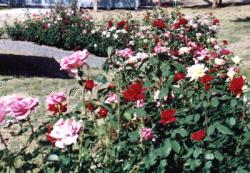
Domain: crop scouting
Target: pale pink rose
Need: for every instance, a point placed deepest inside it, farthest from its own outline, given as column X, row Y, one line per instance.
column 65, row 132
column 219, row 61
column 160, row 49
column 147, row 134
column 140, row 103
column 142, row 55
column 125, row 53
column 2, row 112
column 73, row 62
column 20, row 108
column 56, row 98
column 112, row 98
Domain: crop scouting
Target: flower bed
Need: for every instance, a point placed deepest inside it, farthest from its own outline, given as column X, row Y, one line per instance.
column 177, row 102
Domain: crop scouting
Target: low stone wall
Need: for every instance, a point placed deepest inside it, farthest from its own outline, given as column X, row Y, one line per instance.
column 31, row 49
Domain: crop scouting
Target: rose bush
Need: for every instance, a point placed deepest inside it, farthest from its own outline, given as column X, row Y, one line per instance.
column 177, row 102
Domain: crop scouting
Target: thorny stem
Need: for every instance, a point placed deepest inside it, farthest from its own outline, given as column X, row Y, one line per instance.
column 2, row 140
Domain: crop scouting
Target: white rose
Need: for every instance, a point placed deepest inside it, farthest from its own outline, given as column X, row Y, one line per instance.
column 236, row 59
column 219, row 61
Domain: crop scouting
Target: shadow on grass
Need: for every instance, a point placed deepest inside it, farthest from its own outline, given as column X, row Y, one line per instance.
column 247, row 19
column 30, row 66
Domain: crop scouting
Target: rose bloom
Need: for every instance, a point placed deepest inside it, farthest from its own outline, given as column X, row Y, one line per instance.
column 2, row 112
column 125, row 53
column 56, row 102
column 90, row 106
column 199, row 135
column 112, row 98
column 206, row 79
column 20, row 108
column 236, row 85
column 89, row 84
column 147, row 134
column 219, row 61
column 179, row 76
column 232, row 71
column 184, row 50
column 159, row 23
column 65, row 132
column 103, row 112
column 140, row 103
column 236, row 59
column 167, row 116
column 160, row 49
column 196, row 71
column 73, row 62
column 134, row 92
column 225, row 52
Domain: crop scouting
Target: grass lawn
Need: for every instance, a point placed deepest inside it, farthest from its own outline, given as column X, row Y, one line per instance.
column 235, row 26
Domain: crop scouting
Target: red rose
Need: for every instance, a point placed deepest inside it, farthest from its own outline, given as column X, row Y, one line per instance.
column 57, row 108
column 159, row 23
column 225, row 42
column 183, row 21
column 103, row 112
column 176, row 25
column 89, row 84
column 236, row 85
column 121, row 24
column 225, row 52
column 216, row 21
column 90, row 107
column 167, row 116
column 110, row 24
column 199, row 135
column 179, row 76
column 134, row 92
column 206, row 79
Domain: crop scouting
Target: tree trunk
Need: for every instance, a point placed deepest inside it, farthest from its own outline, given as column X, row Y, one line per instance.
column 95, row 5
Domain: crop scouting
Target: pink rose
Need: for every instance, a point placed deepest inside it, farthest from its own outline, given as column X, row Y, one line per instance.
column 65, row 132
column 160, row 49
column 140, row 103
column 20, row 107
column 147, row 134
column 125, row 53
column 2, row 112
column 73, row 62
column 56, row 98
column 112, row 98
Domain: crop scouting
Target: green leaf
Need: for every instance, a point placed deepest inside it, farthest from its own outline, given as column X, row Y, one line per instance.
column 100, row 78
column 197, row 152
column 140, row 112
column 209, row 156
column 223, row 129
column 233, row 103
column 214, row 102
column 232, row 121
column 167, row 148
column 218, row 155
column 127, row 115
column 210, row 130
column 133, row 136
column 182, row 132
column 176, row 146
column 163, row 92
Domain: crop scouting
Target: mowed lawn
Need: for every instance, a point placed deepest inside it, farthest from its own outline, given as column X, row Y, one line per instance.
column 235, row 27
